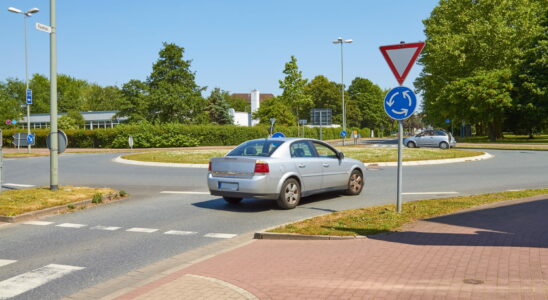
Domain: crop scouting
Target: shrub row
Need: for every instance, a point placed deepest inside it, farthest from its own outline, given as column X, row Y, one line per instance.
column 147, row 135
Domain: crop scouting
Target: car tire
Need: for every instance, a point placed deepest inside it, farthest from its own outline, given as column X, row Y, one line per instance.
column 355, row 183
column 290, row 194
column 232, row 200
column 411, row 144
column 444, row 145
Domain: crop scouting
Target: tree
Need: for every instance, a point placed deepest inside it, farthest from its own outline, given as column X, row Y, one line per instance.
column 275, row 108
column 134, row 104
column 218, row 107
column 98, row 98
column 326, row 94
column 293, row 86
column 9, row 106
column 369, row 98
column 474, row 42
column 71, row 93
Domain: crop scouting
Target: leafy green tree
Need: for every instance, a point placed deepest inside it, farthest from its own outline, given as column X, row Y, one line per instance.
column 71, row 93
column 474, row 42
column 98, row 98
column 275, row 108
column 9, row 106
column 174, row 95
column 369, row 97
column 326, row 94
column 293, row 86
column 134, row 104
column 218, row 107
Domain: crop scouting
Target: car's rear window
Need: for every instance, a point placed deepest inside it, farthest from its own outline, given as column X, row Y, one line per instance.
column 256, row 148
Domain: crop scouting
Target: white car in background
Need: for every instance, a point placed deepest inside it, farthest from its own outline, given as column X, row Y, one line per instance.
column 284, row 169
column 431, row 138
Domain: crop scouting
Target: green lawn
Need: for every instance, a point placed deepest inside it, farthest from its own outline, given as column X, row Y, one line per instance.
column 377, row 219
column 508, row 139
column 366, row 155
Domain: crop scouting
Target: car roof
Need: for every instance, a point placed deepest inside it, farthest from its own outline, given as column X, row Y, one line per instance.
column 286, row 139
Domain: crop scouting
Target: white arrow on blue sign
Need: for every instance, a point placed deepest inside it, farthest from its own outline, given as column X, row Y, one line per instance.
column 400, row 103
column 30, row 139
column 29, row 96
column 343, row 133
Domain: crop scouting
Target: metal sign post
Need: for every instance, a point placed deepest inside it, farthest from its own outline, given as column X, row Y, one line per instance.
column 1, row 159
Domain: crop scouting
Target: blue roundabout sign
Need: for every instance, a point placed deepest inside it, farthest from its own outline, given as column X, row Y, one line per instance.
column 400, row 103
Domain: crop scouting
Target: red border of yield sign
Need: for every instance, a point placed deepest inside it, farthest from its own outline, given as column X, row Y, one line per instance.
column 401, row 77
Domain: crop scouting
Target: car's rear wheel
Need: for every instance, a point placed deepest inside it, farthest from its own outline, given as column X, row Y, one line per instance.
column 232, row 200
column 355, row 183
column 290, row 195
column 444, row 145
column 411, row 144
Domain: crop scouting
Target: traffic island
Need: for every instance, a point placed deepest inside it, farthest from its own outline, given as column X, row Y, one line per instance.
column 26, row 204
column 358, row 223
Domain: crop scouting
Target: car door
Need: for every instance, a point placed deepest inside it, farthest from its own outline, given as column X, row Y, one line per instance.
column 428, row 139
column 307, row 164
column 333, row 169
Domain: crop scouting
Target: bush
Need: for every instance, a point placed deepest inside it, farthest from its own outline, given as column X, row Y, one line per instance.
column 97, row 198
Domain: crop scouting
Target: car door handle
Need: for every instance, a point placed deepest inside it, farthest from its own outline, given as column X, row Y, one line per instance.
column 301, row 165
column 325, row 165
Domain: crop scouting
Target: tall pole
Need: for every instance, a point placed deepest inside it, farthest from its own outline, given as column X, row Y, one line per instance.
column 400, row 144
column 54, row 142
column 342, row 92
column 27, row 78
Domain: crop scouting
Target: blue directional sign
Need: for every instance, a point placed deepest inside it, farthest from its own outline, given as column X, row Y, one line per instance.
column 13, row 122
column 343, row 133
column 278, row 135
column 30, row 139
column 400, row 103
column 29, row 96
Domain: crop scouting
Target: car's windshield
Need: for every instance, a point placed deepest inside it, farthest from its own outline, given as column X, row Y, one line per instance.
column 256, row 148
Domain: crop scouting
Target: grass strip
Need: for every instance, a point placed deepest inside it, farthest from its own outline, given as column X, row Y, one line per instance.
column 378, row 219
column 504, row 147
column 16, row 202
column 363, row 154
column 508, row 138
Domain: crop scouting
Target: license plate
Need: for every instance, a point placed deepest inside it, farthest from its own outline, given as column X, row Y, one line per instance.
column 229, row 186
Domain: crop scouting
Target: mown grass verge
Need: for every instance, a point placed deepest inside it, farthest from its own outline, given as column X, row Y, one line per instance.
column 16, row 202
column 378, row 219
column 366, row 155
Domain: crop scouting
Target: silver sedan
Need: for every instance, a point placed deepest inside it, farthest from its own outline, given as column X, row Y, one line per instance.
column 431, row 138
column 284, row 169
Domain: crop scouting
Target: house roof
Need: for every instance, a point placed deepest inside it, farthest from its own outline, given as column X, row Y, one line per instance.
column 247, row 96
column 94, row 116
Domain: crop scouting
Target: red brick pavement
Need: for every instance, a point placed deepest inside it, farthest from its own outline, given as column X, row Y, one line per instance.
column 499, row 252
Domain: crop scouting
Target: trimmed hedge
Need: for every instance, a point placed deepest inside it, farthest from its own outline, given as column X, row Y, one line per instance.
column 147, row 135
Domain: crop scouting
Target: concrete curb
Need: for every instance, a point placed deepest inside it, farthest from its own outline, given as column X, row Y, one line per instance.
column 294, row 236
column 484, row 156
column 50, row 211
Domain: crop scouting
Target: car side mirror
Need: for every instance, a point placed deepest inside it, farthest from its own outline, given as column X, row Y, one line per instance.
column 340, row 155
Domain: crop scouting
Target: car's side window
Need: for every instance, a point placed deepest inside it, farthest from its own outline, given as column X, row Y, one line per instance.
column 301, row 149
column 324, row 151
column 440, row 133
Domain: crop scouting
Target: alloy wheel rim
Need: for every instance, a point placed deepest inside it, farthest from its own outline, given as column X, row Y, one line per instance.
column 355, row 182
column 291, row 193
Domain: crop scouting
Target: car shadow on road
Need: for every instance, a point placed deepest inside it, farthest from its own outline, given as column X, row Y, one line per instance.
column 251, row 205
column 517, row 225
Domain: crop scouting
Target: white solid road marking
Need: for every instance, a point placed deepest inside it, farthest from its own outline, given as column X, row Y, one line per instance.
column 220, row 235
column 39, row 223
column 108, row 228
column 5, row 262
column 145, row 230
column 514, row 190
column 71, row 225
column 27, row 281
column 19, row 185
column 431, row 193
column 178, row 232
column 185, row 192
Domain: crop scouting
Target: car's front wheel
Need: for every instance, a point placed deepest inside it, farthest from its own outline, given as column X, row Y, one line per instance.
column 290, row 195
column 411, row 144
column 232, row 200
column 444, row 145
column 355, row 183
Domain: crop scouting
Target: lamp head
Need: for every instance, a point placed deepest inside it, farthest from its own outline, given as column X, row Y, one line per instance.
column 15, row 10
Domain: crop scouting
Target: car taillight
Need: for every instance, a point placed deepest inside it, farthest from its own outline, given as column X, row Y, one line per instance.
column 261, row 167
column 209, row 167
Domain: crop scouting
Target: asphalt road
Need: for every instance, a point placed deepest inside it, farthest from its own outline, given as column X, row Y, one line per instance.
column 97, row 244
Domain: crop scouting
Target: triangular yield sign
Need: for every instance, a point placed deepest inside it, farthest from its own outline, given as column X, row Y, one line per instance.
column 401, row 57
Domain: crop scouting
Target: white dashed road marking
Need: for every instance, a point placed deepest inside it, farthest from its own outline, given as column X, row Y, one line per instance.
column 108, row 228
column 39, row 223
column 27, row 281
column 431, row 193
column 5, row 262
column 185, row 192
column 19, row 185
column 145, row 230
column 71, row 225
column 514, row 190
column 178, row 232
column 220, row 235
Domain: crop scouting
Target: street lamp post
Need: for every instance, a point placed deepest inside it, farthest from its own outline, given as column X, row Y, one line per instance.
column 342, row 41
column 26, row 15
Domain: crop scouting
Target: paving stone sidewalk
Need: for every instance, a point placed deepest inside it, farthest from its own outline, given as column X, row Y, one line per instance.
column 495, row 252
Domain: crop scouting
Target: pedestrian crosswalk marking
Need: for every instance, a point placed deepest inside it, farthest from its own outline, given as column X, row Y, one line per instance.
column 179, row 232
column 71, row 225
column 5, row 262
column 145, row 230
column 220, row 235
column 25, row 282
column 39, row 223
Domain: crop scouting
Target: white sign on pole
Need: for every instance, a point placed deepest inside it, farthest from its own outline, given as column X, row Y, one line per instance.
column 401, row 57
column 44, row 28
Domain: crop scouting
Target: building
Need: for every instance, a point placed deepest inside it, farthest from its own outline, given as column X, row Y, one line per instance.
column 94, row 119
column 254, row 99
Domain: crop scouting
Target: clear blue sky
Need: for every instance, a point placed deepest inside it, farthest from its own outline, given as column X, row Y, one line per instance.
column 237, row 45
